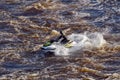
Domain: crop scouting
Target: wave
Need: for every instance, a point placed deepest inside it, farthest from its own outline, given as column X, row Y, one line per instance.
column 83, row 41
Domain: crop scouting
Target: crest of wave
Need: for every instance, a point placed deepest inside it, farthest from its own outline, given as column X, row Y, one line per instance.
column 82, row 41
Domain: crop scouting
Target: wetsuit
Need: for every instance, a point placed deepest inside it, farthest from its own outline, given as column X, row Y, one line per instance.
column 62, row 38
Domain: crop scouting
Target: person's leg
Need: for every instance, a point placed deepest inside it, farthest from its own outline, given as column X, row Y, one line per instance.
column 57, row 39
column 64, row 40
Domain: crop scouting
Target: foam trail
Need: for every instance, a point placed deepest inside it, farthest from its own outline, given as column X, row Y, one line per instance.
column 83, row 41
column 61, row 50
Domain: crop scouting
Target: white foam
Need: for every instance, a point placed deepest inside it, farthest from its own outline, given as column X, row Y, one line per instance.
column 61, row 50
column 83, row 41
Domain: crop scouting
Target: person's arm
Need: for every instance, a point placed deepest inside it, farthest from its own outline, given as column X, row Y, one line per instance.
column 63, row 35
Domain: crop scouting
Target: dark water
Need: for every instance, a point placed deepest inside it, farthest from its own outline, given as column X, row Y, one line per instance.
column 26, row 24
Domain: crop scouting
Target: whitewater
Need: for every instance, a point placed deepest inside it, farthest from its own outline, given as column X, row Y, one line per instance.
column 83, row 41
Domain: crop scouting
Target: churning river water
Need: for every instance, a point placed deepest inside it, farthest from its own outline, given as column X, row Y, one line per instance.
column 26, row 24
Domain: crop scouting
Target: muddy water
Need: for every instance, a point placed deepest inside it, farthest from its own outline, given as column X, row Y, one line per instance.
column 26, row 24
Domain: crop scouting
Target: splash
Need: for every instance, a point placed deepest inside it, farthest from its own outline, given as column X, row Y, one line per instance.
column 82, row 41
column 61, row 50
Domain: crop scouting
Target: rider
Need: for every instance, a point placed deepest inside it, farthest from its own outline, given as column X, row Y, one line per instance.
column 62, row 39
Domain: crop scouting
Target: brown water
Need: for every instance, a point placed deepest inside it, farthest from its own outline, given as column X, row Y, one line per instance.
column 26, row 24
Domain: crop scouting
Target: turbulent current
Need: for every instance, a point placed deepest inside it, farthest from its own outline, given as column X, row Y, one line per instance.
column 25, row 25
column 82, row 42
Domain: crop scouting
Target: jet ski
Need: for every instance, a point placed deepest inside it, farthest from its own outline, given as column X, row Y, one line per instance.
column 49, row 47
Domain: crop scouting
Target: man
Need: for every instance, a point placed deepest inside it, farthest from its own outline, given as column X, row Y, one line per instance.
column 62, row 39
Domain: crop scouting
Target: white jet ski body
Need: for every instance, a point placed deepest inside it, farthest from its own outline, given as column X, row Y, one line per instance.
column 50, row 48
column 53, row 47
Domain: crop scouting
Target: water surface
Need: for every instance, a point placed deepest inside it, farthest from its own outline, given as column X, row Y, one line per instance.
column 26, row 24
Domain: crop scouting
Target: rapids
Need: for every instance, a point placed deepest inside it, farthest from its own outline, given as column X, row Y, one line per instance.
column 26, row 24
column 85, row 41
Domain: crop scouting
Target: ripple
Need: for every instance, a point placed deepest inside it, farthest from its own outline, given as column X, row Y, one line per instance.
column 69, row 1
column 26, row 24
